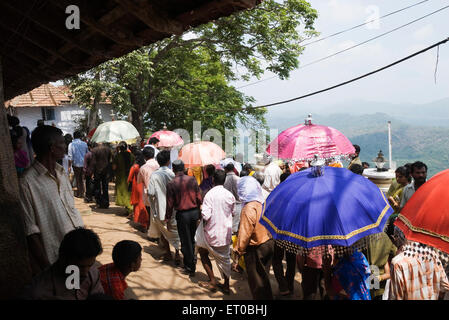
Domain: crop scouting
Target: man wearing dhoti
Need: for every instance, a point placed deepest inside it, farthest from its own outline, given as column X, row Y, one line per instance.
column 157, row 191
column 213, row 235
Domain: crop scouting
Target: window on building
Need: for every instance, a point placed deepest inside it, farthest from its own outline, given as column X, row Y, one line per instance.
column 48, row 114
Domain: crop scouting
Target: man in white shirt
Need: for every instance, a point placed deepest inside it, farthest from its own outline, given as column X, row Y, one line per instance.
column 214, row 233
column 157, row 192
column 144, row 177
column 272, row 174
column 46, row 198
column 419, row 174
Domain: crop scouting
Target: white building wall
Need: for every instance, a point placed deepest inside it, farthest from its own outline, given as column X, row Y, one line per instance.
column 64, row 116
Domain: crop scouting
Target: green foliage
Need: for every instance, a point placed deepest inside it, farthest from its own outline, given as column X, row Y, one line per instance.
column 185, row 78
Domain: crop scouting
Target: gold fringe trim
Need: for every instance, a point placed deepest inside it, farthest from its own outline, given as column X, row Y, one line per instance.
column 421, row 230
column 329, row 237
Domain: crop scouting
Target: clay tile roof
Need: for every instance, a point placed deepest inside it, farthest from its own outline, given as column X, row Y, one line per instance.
column 47, row 95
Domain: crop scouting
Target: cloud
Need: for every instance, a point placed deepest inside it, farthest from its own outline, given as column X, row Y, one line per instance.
column 424, row 32
column 345, row 11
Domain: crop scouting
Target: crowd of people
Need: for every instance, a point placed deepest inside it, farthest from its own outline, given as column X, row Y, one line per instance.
column 214, row 215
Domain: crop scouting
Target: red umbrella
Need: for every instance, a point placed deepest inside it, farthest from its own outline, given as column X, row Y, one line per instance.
column 425, row 217
column 167, row 138
column 304, row 141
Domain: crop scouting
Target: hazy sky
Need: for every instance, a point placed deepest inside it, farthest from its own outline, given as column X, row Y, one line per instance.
column 409, row 82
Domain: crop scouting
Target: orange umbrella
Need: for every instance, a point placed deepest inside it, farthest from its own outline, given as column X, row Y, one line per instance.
column 425, row 217
column 201, row 153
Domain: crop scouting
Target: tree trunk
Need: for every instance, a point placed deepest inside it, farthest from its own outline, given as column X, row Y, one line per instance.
column 137, row 114
column 93, row 112
column 14, row 262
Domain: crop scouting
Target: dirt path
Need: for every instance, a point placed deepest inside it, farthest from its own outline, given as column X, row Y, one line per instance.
column 156, row 279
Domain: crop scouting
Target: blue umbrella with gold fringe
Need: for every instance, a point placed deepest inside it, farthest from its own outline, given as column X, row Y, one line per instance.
column 324, row 206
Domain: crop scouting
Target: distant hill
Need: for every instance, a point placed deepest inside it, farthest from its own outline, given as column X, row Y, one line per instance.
column 413, row 137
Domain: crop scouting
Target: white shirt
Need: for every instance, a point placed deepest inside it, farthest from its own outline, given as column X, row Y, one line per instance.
column 157, row 190
column 407, row 193
column 272, row 177
column 217, row 212
column 48, row 205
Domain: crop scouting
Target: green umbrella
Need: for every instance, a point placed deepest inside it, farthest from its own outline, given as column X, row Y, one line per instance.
column 116, row 131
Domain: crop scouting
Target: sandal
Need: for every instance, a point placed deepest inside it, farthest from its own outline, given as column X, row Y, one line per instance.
column 207, row 285
column 226, row 291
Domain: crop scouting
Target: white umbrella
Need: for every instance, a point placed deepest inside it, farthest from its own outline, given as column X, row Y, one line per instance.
column 116, row 131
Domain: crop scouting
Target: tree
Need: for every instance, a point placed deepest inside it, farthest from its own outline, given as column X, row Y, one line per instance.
column 187, row 77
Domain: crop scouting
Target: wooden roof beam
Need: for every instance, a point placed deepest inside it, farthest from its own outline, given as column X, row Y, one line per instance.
column 204, row 11
column 27, row 39
column 123, row 37
column 153, row 17
column 53, row 30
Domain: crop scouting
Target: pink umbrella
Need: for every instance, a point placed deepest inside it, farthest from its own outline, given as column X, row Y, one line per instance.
column 167, row 138
column 304, row 141
column 201, row 153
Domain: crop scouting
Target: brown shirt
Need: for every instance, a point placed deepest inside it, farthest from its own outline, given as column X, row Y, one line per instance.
column 251, row 232
column 183, row 193
column 101, row 156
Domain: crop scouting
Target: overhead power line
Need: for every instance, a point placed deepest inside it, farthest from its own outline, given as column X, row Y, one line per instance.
column 319, row 91
column 353, row 80
column 352, row 47
column 366, row 23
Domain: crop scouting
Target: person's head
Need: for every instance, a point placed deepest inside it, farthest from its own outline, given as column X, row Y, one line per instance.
column 403, row 176
column 48, row 141
column 210, row 170
column 40, row 122
column 357, row 169
column 357, row 150
column 163, row 158
column 13, row 121
column 91, row 145
column 15, row 133
column 148, row 153
column 365, row 165
column 259, row 176
column 244, row 173
column 153, row 141
column 178, row 166
column 247, row 167
column 122, row 146
column 139, row 158
column 127, row 256
column 419, row 172
column 134, row 149
column 77, row 135
column 285, row 175
column 219, row 177
column 80, row 247
column 229, row 167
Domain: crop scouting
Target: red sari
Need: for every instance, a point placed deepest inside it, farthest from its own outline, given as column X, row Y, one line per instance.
column 140, row 212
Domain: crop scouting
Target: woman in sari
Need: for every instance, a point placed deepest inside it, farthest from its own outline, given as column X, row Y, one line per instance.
column 140, row 215
column 348, row 279
column 121, row 165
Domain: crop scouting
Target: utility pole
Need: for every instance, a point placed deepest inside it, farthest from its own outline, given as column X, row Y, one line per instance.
column 389, row 145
